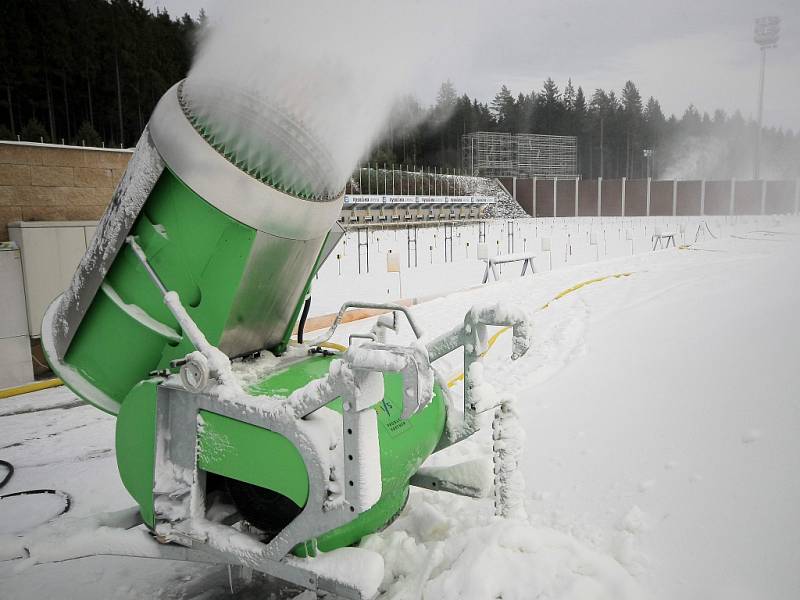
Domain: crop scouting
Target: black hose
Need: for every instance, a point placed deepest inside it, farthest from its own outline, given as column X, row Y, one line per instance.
column 302, row 324
column 64, row 495
column 8, row 475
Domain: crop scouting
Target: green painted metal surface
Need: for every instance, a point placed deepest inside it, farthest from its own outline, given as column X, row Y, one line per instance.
column 135, row 443
column 404, row 446
column 261, row 457
column 197, row 251
column 252, row 454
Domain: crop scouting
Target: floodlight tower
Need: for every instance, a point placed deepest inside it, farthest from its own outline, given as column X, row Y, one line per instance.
column 766, row 33
column 648, row 154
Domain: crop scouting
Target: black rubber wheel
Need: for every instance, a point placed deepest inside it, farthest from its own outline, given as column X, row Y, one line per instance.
column 267, row 510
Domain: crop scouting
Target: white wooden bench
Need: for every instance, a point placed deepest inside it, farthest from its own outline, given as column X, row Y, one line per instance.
column 662, row 238
column 526, row 258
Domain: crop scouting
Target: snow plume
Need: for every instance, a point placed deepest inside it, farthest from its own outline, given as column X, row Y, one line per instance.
column 325, row 71
column 711, row 157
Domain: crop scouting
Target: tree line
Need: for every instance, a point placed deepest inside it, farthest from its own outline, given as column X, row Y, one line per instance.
column 613, row 131
column 91, row 71
column 87, row 71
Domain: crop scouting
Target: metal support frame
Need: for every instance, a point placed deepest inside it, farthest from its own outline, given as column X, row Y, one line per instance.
column 448, row 242
column 577, row 180
column 179, row 488
column 674, row 197
column 363, row 243
column 555, row 197
column 330, row 444
column 526, row 258
column 662, row 240
column 796, row 196
column 472, row 335
column 599, row 196
column 412, row 245
column 702, row 197
column 494, row 154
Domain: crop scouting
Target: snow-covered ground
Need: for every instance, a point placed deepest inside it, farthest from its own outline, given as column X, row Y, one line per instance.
column 661, row 412
column 439, row 259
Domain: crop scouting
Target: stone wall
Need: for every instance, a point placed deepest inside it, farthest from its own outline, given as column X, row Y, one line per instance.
column 45, row 182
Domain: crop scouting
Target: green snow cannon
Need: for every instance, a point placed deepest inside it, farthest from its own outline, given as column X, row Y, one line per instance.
column 202, row 263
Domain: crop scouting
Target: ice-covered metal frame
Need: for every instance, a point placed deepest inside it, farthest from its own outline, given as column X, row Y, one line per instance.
column 302, row 418
column 473, row 337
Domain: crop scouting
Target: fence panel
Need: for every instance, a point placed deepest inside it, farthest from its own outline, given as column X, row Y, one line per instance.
column 688, row 198
column 587, row 198
column 780, row 197
column 612, row 198
column 636, row 197
column 565, row 188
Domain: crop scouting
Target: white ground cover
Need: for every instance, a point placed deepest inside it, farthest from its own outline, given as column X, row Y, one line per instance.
column 661, row 413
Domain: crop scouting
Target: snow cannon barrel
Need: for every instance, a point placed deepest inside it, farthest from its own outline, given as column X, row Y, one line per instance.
column 231, row 198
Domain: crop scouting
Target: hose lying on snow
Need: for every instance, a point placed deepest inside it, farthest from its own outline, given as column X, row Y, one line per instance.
column 63, row 495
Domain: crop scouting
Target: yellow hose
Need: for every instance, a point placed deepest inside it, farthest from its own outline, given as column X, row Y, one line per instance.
column 558, row 296
column 333, row 346
column 30, row 387
column 49, row 383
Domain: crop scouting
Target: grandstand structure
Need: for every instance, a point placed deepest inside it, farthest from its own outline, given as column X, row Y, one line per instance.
column 489, row 154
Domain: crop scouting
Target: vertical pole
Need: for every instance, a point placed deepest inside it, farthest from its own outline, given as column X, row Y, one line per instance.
column 472, row 156
column 674, row 197
column 533, row 193
column 763, row 196
column 757, row 162
column 601, row 147
column 599, row 196
column 796, row 196
column 576, row 196
column 649, row 181
column 703, row 197
column 732, row 208
column 623, row 195
column 392, row 179
column 555, row 197
column 514, row 188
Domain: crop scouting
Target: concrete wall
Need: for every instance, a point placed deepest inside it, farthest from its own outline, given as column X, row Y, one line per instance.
column 43, row 182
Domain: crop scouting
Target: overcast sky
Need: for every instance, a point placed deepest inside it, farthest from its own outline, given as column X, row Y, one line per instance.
column 680, row 51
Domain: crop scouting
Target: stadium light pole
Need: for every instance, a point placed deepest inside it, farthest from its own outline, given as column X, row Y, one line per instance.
column 766, row 33
column 648, row 154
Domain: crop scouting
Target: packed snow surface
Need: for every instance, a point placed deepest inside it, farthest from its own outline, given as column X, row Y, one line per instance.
column 661, row 454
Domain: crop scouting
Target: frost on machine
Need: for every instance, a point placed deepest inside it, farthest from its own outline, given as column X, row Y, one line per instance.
column 205, row 258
